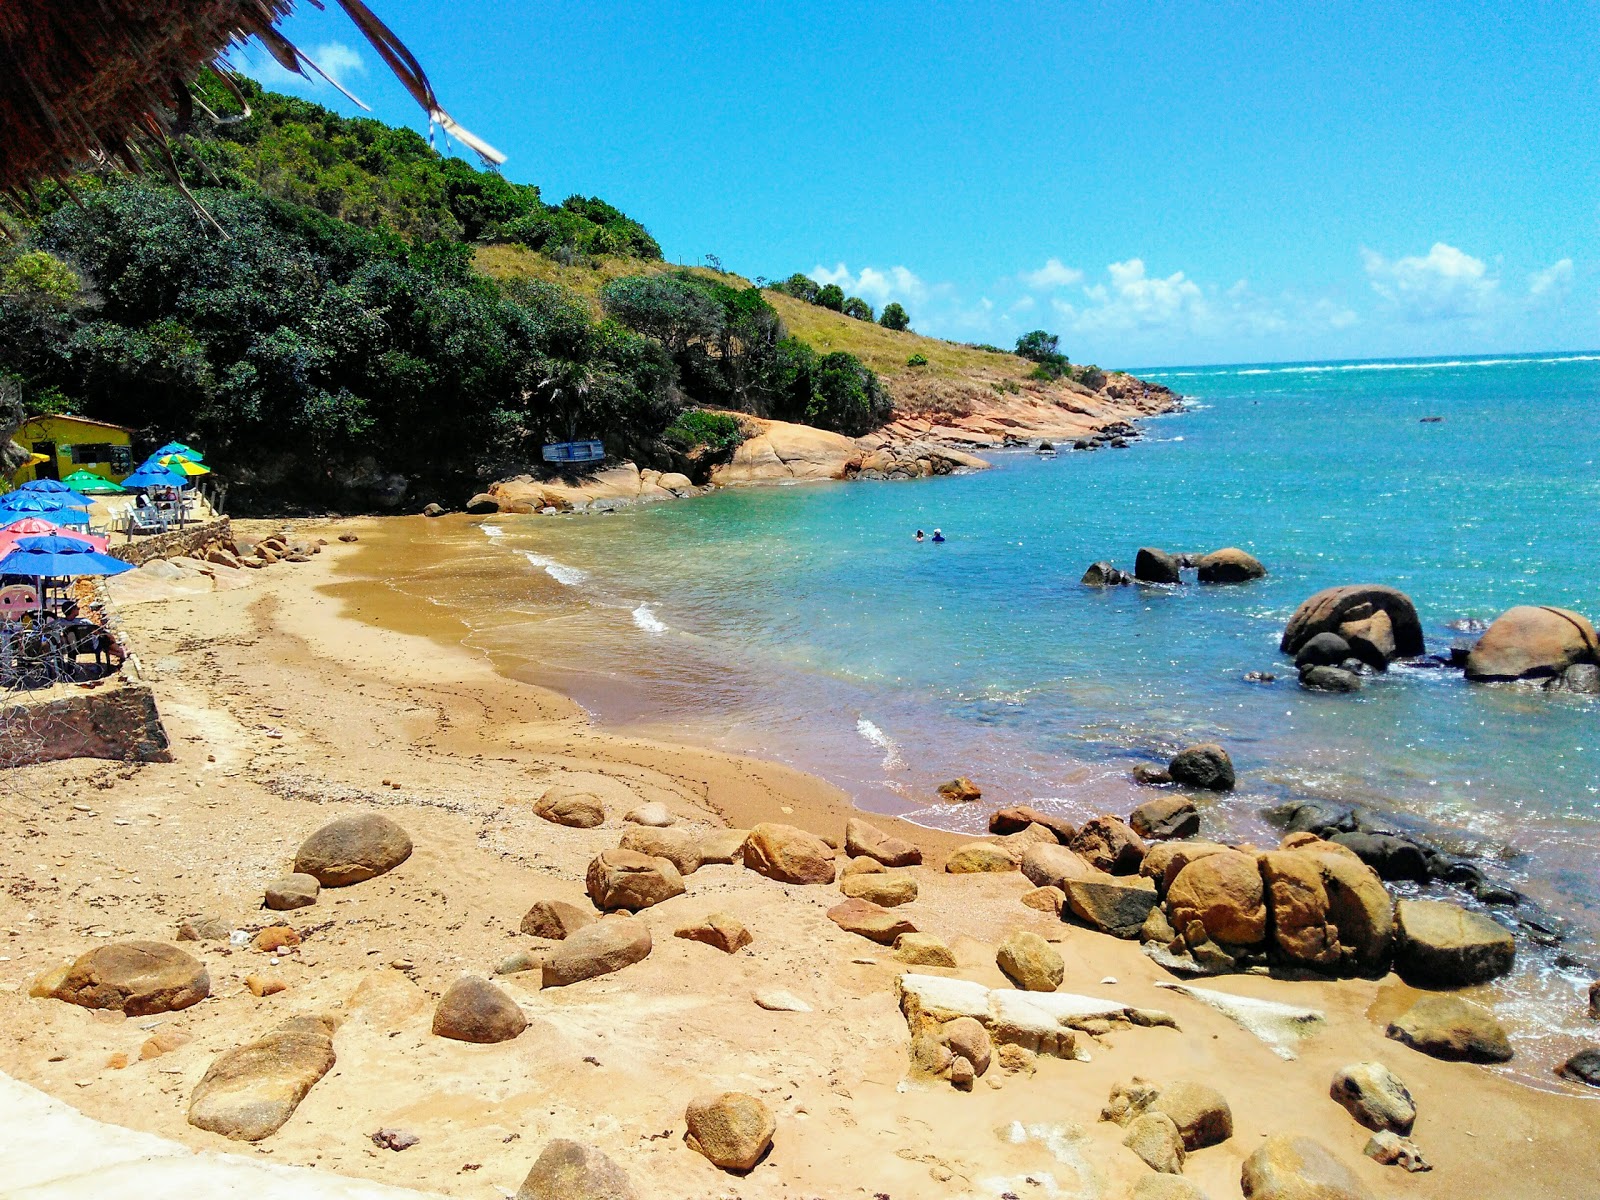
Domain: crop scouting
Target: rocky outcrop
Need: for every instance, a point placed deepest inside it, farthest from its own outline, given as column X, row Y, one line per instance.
column 249, row 1093
column 1229, row 565
column 1533, row 642
column 353, row 850
column 1332, row 609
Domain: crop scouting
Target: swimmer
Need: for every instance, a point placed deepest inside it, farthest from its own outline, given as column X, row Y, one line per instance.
column 919, row 535
column 937, row 536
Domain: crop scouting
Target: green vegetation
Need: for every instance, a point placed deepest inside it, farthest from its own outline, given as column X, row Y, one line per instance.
column 1044, row 350
column 856, row 307
column 831, row 296
column 895, row 317
column 917, row 360
column 719, row 431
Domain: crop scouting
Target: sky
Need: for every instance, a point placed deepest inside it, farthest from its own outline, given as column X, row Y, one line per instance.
column 1157, row 184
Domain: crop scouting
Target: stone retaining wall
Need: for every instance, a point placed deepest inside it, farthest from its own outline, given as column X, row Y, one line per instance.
column 117, row 721
column 192, row 542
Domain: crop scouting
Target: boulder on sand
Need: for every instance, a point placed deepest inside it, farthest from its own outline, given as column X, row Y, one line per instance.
column 871, row 921
column 1229, row 565
column 1329, row 908
column 1532, row 642
column 1439, row 944
column 1332, row 608
column 977, row 858
column 1165, row 817
column 1449, row 1027
column 624, row 879
column 680, row 847
column 788, row 854
column 923, row 950
column 1109, row 845
column 888, row 889
column 1375, row 1097
column 1291, row 1167
column 136, row 978
column 555, row 919
column 653, row 813
column 291, row 892
column 1200, row 1112
column 1115, row 905
column 1206, row 765
column 1155, row 566
column 474, row 1010
column 725, row 846
column 722, row 930
column 732, row 1129
column 599, row 949
column 248, row 1093
column 1030, row 962
column 352, row 850
column 1225, row 894
column 1051, row 866
column 1155, row 1139
column 1018, row 817
column 864, row 840
column 572, row 807
column 568, row 1170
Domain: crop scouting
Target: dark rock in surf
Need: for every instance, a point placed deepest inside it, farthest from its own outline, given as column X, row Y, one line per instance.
column 1155, row 566
column 1323, row 650
column 1330, row 679
column 1393, row 857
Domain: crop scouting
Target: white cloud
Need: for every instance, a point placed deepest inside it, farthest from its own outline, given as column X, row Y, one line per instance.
column 1551, row 283
column 1443, row 285
column 340, row 61
column 1134, row 300
column 1054, row 274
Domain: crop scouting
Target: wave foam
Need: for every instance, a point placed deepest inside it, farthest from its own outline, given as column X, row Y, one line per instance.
column 560, row 572
column 647, row 620
column 493, row 531
column 1428, row 365
column 892, row 760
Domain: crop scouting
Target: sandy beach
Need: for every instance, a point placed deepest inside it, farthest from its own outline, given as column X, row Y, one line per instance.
column 310, row 691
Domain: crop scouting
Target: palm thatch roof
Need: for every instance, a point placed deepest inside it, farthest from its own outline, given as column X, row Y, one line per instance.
column 107, row 79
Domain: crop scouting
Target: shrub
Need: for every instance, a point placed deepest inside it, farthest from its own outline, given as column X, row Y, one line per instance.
column 1039, row 346
column 832, row 296
column 895, row 317
column 858, row 308
column 846, row 396
column 917, row 360
column 1047, row 372
column 801, row 287
column 697, row 427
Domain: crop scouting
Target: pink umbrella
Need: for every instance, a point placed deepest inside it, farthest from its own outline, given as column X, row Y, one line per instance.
column 39, row 527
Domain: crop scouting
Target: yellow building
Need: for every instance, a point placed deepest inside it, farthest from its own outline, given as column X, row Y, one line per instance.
column 69, row 444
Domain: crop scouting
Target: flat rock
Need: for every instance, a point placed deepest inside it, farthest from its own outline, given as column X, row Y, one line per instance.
column 1443, row 945
column 654, row 814
column 1166, row 1187
column 887, row 890
column 1452, row 1028
column 1375, row 1097
column 136, row 978
column 555, row 919
column 1281, row 1026
column 1118, row 906
column 352, row 850
column 1155, row 1138
column 572, row 807
column 871, row 921
column 1199, row 1112
column 723, row 846
column 623, row 879
column 923, row 950
column 474, row 1010
column 248, row 1093
column 1030, row 962
column 1048, row 899
column 680, row 847
column 1165, row 817
column 788, row 855
column 1206, row 765
column 1110, row 845
column 1290, row 1167
column 1018, row 817
column 568, row 1170
column 779, row 1001
column 732, row 1129
column 719, row 929
column 291, row 892
column 863, row 840
column 598, row 949
column 977, row 858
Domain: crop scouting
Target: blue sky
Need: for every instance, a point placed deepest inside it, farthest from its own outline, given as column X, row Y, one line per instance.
column 1157, row 184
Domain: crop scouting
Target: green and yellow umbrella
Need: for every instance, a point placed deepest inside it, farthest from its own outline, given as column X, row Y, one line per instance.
column 187, row 466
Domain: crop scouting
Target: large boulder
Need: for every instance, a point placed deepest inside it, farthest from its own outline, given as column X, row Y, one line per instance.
column 1030, row 962
column 136, row 978
column 1206, row 766
column 871, row 921
column 1333, row 608
column 732, row 1129
column 1449, row 1027
column 1051, row 866
column 624, row 879
column 1225, row 894
column 1229, row 565
column 680, row 847
column 1375, row 1097
column 1115, row 905
column 1200, row 1112
column 568, row 1170
column 1330, row 909
column 788, row 855
column 1533, row 642
column 863, row 840
column 1155, row 566
column 1165, row 817
column 1438, row 944
column 599, row 949
column 1291, row 1167
column 474, row 1010
column 555, row 919
column 572, row 807
column 249, row 1092
column 353, row 850
column 1163, row 861
column 1155, row 1139
column 1109, row 845
column 976, row 858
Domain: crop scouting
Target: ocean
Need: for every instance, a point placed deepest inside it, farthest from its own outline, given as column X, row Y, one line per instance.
column 806, row 623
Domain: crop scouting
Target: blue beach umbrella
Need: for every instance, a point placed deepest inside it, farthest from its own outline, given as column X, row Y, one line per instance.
column 180, row 450
column 69, row 505
column 59, row 557
column 46, row 486
column 153, row 474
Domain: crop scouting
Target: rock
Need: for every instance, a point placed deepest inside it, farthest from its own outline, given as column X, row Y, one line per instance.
column 1375, row 1097
column 394, row 1139
column 960, row 790
column 923, row 950
column 967, row 1038
column 1315, row 816
column 291, row 892
column 386, row 999
column 1594, row 1000
column 1323, row 650
column 522, row 960
column 1157, row 928
column 275, row 938
column 862, row 840
column 1230, row 565
column 1390, row 855
column 1033, row 835
column 598, row 949
column 1290, row 1167
column 1582, row 1067
column 1452, row 1028
column 1101, row 574
column 1201, row 1114
column 778, row 1001
column 264, row 985
column 1371, row 640
column 1165, row 817
column 788, row 855
column 1442, row 945
column 862, row 866
column 1329, row 908
column 732, row 1129
column 1166, row 1187
column 572, row 807
column 654, row 814
column 1331, row 608
column 474, row 1010
column 886, row 890
column 1532, row 642
column 1224, row 893
column 680, row 847
column 723, row 846
column 1302, row 929
column 1051, row 866
column 136, row 978
column 1019, row 816
column 1391, row 1149
column 1129, row 1100
column 870, row 920
column 203, row 929
column 623, row 879
column 962, row 1074
column 979, row 857
column 1155, row 1139
column 1030, row 962
column 1109, row 845
column 1164, row 860
column 1150, row 775
column 1206, row 766
column 1583, row 678
column 1155, row 566
column 432, row 510
column 568, row 1170
column 250, row 1092
column 352, row 850
column 719, row 929
column 1330, row 679
column 163, row 1041
column 1119, row 907
column 1048, row 899
column 555, row 919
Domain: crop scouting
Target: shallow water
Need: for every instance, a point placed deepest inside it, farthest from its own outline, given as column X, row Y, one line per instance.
column 805, row 622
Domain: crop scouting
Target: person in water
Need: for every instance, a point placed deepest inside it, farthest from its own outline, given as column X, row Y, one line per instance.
column 919, row 535
column 937, row 536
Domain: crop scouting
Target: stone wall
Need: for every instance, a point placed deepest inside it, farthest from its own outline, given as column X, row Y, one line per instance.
column 192, row 542
column 117, row 721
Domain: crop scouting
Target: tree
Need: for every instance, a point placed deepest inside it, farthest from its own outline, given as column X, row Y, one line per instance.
column 894, row 317
column 673, row 309
column 858, row 308
column 846, row 396
column 801, row 287
column 1039, row 346
column 831, row 296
